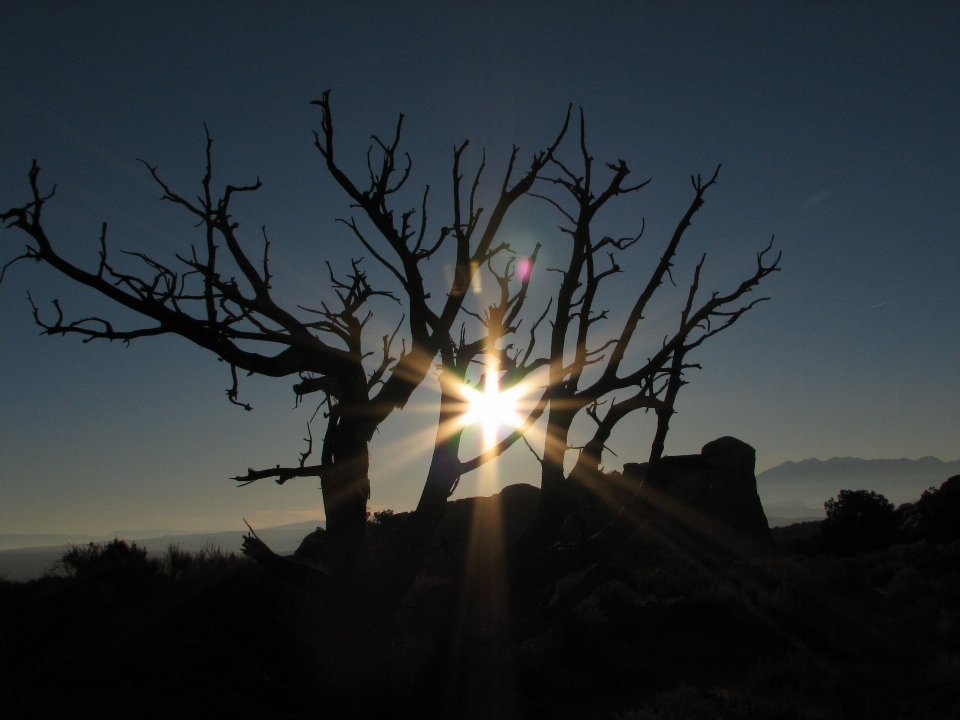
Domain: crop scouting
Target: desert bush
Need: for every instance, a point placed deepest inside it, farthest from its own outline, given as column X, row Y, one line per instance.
column 858, row 521
column 177, row 563
column 214, row 555
column 120, row 566
column 939, row 512
column 381, row 517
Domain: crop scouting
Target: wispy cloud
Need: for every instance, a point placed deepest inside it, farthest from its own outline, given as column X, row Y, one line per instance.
column 815, row 199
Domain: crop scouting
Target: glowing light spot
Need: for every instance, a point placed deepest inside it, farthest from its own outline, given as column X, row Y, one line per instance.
column 491, row 408
column 477, row 284
column 524, row 268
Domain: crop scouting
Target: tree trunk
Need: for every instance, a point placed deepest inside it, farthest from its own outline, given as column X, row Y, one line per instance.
column 664, row 413
column 559, row 494
column 444, row 470
column 345, row 485
column 556, row 491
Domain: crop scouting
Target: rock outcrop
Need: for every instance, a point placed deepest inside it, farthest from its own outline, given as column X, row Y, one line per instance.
column 718, row 486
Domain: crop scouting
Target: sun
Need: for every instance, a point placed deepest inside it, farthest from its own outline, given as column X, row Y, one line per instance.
column 491, row 408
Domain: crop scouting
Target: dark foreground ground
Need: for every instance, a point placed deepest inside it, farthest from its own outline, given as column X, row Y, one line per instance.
column 651, row 622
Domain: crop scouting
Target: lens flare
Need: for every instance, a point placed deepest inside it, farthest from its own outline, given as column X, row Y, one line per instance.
column 492, row 408
column 524, row 268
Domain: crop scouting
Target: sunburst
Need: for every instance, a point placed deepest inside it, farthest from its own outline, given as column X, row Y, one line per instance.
column 493, row 408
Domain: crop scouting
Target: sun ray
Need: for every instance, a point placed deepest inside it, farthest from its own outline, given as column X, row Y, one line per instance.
column 493, row 408
column 395, row 455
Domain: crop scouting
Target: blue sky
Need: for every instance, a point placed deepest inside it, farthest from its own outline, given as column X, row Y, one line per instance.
column 836, row 124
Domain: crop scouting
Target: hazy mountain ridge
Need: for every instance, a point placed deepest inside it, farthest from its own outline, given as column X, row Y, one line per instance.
column 17, row 541
column 854, row 464
column 793, row 488
column 13, row 541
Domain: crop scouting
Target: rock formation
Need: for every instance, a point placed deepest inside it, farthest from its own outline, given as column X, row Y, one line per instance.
column 718, row 486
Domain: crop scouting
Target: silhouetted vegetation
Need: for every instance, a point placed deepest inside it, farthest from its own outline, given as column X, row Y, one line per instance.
column 382, row 517
column 109, row 561
column 936, row 515
column 863, row 520
column 121, row 567
column 117, row 562
column 859, row 521
column 652, row 620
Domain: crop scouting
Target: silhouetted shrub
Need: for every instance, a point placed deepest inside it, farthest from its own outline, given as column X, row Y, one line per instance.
column 123, row 567
column 858, row 521
column 939, row 512
column 382, row 517
column 178, row 563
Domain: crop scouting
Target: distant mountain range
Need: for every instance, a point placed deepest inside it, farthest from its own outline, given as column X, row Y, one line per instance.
column 23, row 557
column 797, row 490
column 12, row 541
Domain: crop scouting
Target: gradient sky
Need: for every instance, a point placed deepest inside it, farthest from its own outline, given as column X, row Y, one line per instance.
column 836, row 123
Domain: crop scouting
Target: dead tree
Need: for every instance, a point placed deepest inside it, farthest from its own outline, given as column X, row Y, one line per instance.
column 223, row 302
column 500, row 321
column 598, row 379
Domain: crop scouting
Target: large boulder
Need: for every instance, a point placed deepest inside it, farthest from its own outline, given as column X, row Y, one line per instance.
column 718, row 486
